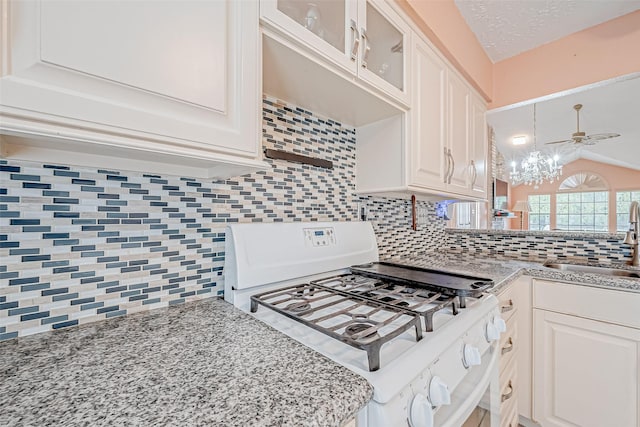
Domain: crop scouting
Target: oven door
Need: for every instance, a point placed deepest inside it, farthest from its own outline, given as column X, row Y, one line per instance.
column 476, row 400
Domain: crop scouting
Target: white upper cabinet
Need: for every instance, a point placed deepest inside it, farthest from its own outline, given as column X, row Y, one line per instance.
column 173, row 83
column 429, row 150
column 458, row 125
column 364, row 38
column 448, row 139
column 478, row 147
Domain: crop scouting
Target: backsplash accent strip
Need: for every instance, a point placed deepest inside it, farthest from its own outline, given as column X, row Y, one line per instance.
column 528, row 245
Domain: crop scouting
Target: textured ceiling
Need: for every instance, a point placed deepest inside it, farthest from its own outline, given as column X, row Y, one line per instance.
column 610, row 108
column 508, row 27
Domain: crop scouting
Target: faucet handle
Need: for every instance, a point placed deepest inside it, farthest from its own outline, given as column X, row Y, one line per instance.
column 631, row 238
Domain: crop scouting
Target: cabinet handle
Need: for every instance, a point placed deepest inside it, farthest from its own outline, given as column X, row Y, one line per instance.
column 474, row 173
column 367, row 48
column 507, row 348
column 508, row 307
column 356, row 40
column 446, row 173
column 453, row 166
column 508, row 394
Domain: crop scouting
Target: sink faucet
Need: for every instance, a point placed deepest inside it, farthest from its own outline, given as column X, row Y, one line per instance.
column 634, row 231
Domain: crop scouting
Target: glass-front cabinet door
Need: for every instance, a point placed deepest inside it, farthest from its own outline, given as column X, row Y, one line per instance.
column 365, row 37
column 385, row 41
column 328, row 27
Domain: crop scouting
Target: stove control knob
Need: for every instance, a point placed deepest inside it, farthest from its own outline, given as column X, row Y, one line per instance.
column 493, row 334
column 471, row 356
column 500, row 324
column 439, row 392
column 421, row 412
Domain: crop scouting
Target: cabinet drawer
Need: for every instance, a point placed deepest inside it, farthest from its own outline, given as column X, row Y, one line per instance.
column 608, row 305
column 509, row 344
column 507, row 300
column 506, row 419
column 512, row 420
column 508, row 390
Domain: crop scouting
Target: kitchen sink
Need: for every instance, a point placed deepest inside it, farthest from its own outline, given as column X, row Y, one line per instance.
column 576, row 268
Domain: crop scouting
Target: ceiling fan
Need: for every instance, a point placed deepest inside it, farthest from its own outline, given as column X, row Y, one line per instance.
column 580, row 137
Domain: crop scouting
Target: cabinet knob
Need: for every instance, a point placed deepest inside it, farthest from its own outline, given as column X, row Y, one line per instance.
column 507, row 307
column 508, row 394
column 508, row 347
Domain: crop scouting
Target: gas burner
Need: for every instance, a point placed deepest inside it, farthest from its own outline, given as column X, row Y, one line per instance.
column 298, row 307
column 355, row 331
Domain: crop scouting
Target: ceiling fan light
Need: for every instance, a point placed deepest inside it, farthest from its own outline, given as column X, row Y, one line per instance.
column 519, row 140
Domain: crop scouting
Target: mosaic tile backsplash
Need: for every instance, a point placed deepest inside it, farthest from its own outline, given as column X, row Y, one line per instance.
column 537, row 246
column 79, row 245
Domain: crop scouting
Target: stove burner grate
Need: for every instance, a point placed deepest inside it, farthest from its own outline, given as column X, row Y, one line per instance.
column 417, row 300
column 355, row 320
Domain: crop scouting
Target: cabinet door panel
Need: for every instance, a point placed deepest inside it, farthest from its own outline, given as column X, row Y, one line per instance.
column 328, row 27
column 458, row 129
column 169, row 48
column 428, row 129
column 384, row 61
column 478, row 147
column 585, row 372
column 180, row 75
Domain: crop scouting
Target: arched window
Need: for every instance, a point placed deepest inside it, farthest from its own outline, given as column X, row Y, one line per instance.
column 584, row 181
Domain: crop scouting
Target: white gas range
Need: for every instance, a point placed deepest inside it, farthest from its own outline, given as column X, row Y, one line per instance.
column 425, row 340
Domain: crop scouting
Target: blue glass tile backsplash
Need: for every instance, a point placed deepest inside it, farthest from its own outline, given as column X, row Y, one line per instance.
column 79, row 245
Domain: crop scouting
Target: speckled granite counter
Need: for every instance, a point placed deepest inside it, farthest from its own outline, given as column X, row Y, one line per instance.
column 502, row 270
column 202, row 363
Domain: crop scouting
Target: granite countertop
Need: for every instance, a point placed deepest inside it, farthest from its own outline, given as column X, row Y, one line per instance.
column 201, row 363
column 503, row 270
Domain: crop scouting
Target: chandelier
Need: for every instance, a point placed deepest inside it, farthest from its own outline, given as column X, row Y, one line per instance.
column 535, row 168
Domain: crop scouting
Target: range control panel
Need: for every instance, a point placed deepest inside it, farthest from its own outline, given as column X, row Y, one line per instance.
column 321, row 236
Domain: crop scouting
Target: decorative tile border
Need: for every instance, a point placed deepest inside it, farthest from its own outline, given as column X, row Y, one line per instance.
column 79, row 245
column 540, row 245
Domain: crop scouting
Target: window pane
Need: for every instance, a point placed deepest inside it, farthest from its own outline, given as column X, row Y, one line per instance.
column 588, row 211
column 540, row 206
column 587, row 197
column 601, row 196
column 623, row 201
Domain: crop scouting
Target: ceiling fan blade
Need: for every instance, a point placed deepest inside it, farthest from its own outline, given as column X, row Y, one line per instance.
column 600, row 136
column 559, row 142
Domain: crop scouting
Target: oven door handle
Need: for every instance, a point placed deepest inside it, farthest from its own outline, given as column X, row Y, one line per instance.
column 489, row 379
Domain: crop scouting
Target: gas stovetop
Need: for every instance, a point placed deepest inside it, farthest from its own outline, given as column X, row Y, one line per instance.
column 373, row 304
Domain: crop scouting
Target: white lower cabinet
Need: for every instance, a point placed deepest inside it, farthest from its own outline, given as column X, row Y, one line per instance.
column 586, row 372
column 171, row 87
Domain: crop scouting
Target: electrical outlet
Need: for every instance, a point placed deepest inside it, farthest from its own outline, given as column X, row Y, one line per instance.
column 363, row 212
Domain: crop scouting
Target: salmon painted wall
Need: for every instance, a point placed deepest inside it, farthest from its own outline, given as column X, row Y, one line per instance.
column 589, row 56
column 443, row 24
column 602, row 52
column 617, row 178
